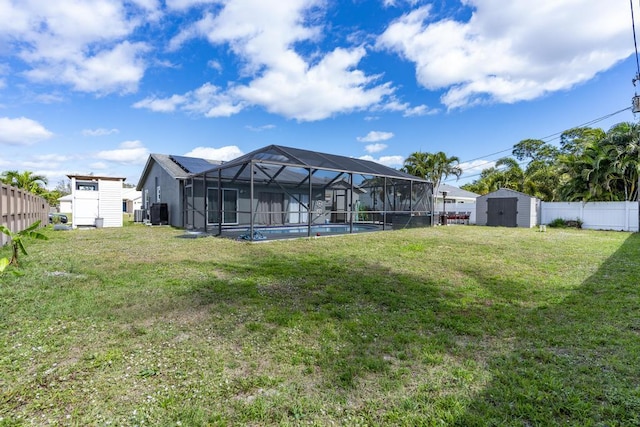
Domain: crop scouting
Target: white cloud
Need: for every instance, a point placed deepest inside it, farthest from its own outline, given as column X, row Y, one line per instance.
column 260, row 128
column 49, row 98
column 264, row 36
column 511, row 51
column 99, row 132
column 216, row 65
column 476, row 166
column 407, row 110
column 98, row 166
column 132, row 152
column 207, row 100
column 186, row 4
column 161, row 105
column 391, row 161
column 81, row 43
column 52, row 158
column 22, row 131
column 227, row 153
column 112, row 70
column 375, row 148
column 375, row 136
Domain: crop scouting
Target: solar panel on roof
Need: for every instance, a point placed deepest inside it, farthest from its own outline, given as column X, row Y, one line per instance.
column 192, row 164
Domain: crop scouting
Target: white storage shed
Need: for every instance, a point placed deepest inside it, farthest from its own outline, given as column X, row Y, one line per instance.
column 97, row 201
column 507, row 208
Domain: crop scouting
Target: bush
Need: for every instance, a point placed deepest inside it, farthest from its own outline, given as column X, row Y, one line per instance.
column 566, row 223
column 558, row 223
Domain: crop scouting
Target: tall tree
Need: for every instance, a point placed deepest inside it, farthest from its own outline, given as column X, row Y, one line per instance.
column 434, row 167
column 25, row 180
column 623, row 141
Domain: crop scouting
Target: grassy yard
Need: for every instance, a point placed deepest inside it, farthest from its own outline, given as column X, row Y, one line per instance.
column 468, row 326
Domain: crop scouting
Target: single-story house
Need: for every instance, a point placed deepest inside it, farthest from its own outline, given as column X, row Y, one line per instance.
column 507, row 208
column 96, row 201
column 459, row 205
column 131, row 200
column 456, row 199
column 163, row 182
column 279, row 186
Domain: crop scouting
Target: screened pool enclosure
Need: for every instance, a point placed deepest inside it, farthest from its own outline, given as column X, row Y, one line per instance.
column 282, row 191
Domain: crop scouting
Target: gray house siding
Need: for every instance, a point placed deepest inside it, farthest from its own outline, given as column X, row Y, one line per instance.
column 527, row 208
column 196, row 208
column 170, row 192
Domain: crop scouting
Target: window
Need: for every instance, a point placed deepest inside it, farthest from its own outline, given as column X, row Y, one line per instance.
column 229, row 206
column 298, row 212
column 87, row 186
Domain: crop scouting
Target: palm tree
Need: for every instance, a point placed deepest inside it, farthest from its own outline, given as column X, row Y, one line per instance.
column 25, row 180
column 434, row 167
column 623, row 141
column 589, row 176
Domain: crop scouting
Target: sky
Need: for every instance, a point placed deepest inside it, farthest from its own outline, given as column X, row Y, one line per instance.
column 95, row 86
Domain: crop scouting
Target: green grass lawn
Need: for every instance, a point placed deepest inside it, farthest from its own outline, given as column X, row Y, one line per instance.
column 452, row 325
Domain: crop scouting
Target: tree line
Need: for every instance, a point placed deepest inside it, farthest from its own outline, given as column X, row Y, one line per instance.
column 588, row 165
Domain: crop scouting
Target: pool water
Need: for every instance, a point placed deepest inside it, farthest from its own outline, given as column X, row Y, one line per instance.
column 331, row 228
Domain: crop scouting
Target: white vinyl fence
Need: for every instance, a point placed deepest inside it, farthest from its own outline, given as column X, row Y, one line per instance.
column 621, row 216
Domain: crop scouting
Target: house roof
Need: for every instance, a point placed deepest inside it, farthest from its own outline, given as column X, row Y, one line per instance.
column 456, row 192
column 131, row 194
column 178, row 167
column 277, row 154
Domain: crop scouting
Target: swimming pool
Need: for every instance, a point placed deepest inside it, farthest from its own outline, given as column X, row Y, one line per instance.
column 325, row 228
column 289, row 231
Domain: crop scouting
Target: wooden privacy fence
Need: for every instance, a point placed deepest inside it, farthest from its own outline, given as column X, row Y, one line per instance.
column 622, row 216
column 19, row 209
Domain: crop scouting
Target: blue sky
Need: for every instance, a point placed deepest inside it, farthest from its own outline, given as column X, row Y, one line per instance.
column 94, row 86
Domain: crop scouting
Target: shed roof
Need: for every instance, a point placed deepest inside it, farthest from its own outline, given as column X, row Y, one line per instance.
column 506, row 190
column 95, row 178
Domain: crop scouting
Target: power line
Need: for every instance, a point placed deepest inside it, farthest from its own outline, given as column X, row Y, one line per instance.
column 635, row 44
column 547, row 138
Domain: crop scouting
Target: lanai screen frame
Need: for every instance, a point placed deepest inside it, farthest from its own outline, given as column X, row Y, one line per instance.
column 230, row 175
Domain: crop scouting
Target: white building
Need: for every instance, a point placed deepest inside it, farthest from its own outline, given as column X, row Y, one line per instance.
column 131, row 200
column 66, row 203
column 96, row 201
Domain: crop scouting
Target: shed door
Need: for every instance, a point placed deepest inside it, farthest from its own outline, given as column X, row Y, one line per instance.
column 502, row 212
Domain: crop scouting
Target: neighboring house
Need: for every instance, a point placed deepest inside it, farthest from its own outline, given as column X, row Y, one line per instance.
column 283, row 186
column 162, row 181
column 66, row 203
column 507, row 208
column 457, row 199
column 96, row 201
column 131, row 200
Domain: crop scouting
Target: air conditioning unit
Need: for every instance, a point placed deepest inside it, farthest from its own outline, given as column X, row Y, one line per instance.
column 159, row 214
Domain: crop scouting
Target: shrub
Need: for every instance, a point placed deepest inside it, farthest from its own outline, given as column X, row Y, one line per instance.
column 558, row 223
column 564, row 223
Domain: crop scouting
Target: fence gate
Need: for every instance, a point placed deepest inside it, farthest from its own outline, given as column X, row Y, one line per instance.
column 502, row 212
